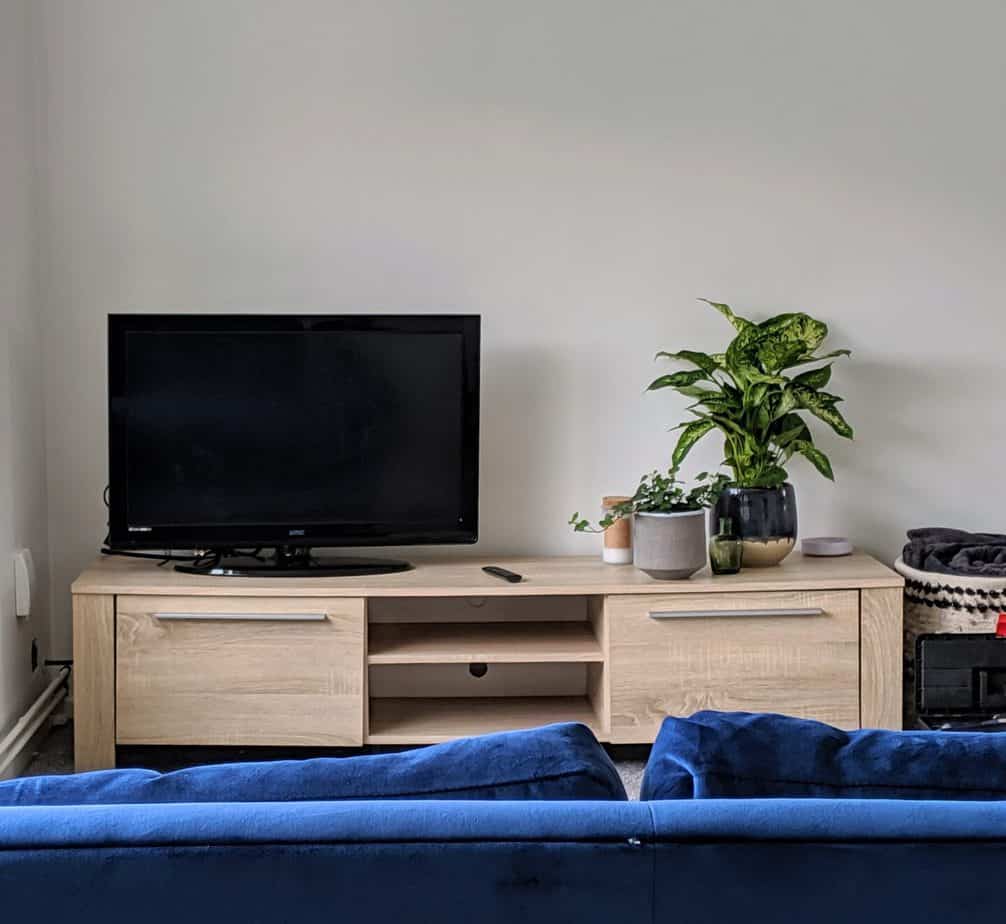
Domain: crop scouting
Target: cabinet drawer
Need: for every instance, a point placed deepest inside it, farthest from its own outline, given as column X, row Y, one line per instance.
column 790, row 652
column 239, row 670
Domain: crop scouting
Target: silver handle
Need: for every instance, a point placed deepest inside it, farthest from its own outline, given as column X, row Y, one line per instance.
column 707, row 614
column 243, row 617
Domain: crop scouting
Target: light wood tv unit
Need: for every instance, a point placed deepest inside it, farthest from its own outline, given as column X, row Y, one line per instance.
column 171, row 659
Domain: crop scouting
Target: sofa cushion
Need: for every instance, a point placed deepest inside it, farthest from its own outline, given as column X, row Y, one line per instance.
column 554, row 762
column 716, row 755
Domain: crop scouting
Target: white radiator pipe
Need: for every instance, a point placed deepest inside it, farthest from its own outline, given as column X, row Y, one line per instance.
column 32, row 720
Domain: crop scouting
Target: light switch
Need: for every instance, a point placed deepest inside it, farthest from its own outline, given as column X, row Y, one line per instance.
column 24, row 582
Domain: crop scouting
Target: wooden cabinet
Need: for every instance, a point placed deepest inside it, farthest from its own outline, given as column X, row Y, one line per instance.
column 219, row 670
column 795, row 652
column 446, row 650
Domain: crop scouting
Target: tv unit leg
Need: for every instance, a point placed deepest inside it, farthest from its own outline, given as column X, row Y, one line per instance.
column 93, row 682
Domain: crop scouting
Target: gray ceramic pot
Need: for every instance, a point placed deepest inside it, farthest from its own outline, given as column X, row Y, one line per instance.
column 669, row 546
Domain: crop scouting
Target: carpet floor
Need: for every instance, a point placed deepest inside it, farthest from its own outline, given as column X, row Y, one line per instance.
column 55, row 756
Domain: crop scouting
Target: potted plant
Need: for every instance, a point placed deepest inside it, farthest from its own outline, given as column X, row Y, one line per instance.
column 669, row 528
column 749, row 396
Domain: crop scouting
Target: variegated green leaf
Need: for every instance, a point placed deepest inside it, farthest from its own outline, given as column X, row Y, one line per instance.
column 703, row 360
column 742, row 355
column 816, row 458
column 771, row 477
column 785, row 403
column 739, row 323
column 689, row 437
column 774, row 354
column 815, row 378
column 803, row 360
column 756, row 395
column 677, row 379
column 695, row 391
column 823, row 409
column 791, row 428
column 754, row 375
column 796, row 328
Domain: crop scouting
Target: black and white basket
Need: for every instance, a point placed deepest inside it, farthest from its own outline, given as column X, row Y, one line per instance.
column 944, row 603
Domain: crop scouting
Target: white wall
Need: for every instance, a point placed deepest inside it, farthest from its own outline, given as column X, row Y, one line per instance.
column 578, row 171
column 22, row 461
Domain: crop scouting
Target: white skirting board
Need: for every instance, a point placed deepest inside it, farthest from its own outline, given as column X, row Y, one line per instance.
column 18, row 745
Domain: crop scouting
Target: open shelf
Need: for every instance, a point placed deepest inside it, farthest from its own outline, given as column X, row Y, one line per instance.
column 490, row 642
column 430, row 720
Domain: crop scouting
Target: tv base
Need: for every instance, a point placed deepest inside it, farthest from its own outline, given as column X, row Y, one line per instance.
column 293, row 563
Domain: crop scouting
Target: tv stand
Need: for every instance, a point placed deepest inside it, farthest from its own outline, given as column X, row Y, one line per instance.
column 444, row 650
column 290, row 562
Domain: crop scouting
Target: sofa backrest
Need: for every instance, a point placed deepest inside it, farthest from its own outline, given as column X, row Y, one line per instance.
column 779, row 860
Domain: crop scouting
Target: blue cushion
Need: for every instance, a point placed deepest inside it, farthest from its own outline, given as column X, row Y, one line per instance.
column 716, row 755
column 553, row 762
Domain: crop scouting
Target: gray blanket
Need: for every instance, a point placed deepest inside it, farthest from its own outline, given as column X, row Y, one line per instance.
column 954, row 551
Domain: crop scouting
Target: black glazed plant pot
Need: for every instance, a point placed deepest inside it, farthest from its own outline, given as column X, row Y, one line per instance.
column 764, row 518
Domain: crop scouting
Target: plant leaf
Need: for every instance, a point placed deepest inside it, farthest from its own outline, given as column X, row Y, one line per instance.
column 824, row 409
column 756, row 395
column 755, row 375
column 815, row 378
column 771, row 477
column 742, row 354
column 739, row 323
column 703, row 360
column 817, row 458
column 775, row 354
column 694, row 391
column 785, row 404
column 678, row 379
column 796, row 327
column 689, row 437
column 715, row 402
column 792, row 427
column 803, row 360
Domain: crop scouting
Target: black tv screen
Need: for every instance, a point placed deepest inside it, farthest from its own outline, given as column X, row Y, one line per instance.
column 229, row 431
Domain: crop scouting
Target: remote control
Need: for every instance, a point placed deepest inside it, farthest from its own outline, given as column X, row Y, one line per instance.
column 510, row 576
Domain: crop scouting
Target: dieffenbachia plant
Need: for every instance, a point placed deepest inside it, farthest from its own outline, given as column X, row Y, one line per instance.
column 747, row 395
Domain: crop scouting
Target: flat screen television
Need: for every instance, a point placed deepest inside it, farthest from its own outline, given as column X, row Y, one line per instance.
column 255, row 438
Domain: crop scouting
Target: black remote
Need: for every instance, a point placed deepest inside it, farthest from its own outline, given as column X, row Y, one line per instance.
column 510, row 576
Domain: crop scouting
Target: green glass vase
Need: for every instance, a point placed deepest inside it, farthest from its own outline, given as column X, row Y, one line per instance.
column 726, row 549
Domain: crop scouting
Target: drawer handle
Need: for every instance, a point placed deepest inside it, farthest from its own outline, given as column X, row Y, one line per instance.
column 243, row 617
column 707, row 614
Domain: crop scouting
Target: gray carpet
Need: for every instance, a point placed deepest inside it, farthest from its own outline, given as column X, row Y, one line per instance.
column 56, row 757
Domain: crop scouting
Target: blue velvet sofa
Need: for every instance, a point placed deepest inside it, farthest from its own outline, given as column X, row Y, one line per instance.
column 716, row 861
column 543, row 858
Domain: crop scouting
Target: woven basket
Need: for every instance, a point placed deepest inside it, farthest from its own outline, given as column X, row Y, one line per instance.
column 944, row 603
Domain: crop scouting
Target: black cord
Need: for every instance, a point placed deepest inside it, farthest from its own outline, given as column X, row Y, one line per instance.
column 159, row 557
column 196, row 558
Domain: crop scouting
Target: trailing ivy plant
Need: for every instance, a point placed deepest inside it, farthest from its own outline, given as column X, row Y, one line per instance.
column 747, row 395
column 659, row 493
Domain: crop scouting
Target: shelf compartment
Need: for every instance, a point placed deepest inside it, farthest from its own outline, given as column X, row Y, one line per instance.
column 431, row 720
column 490, row 643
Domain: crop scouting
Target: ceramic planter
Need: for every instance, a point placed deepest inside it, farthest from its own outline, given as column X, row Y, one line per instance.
column 669, row 546
column 765, row 520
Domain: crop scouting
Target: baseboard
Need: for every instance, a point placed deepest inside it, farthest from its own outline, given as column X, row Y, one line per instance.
column 18, row 745
column 27, row 753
